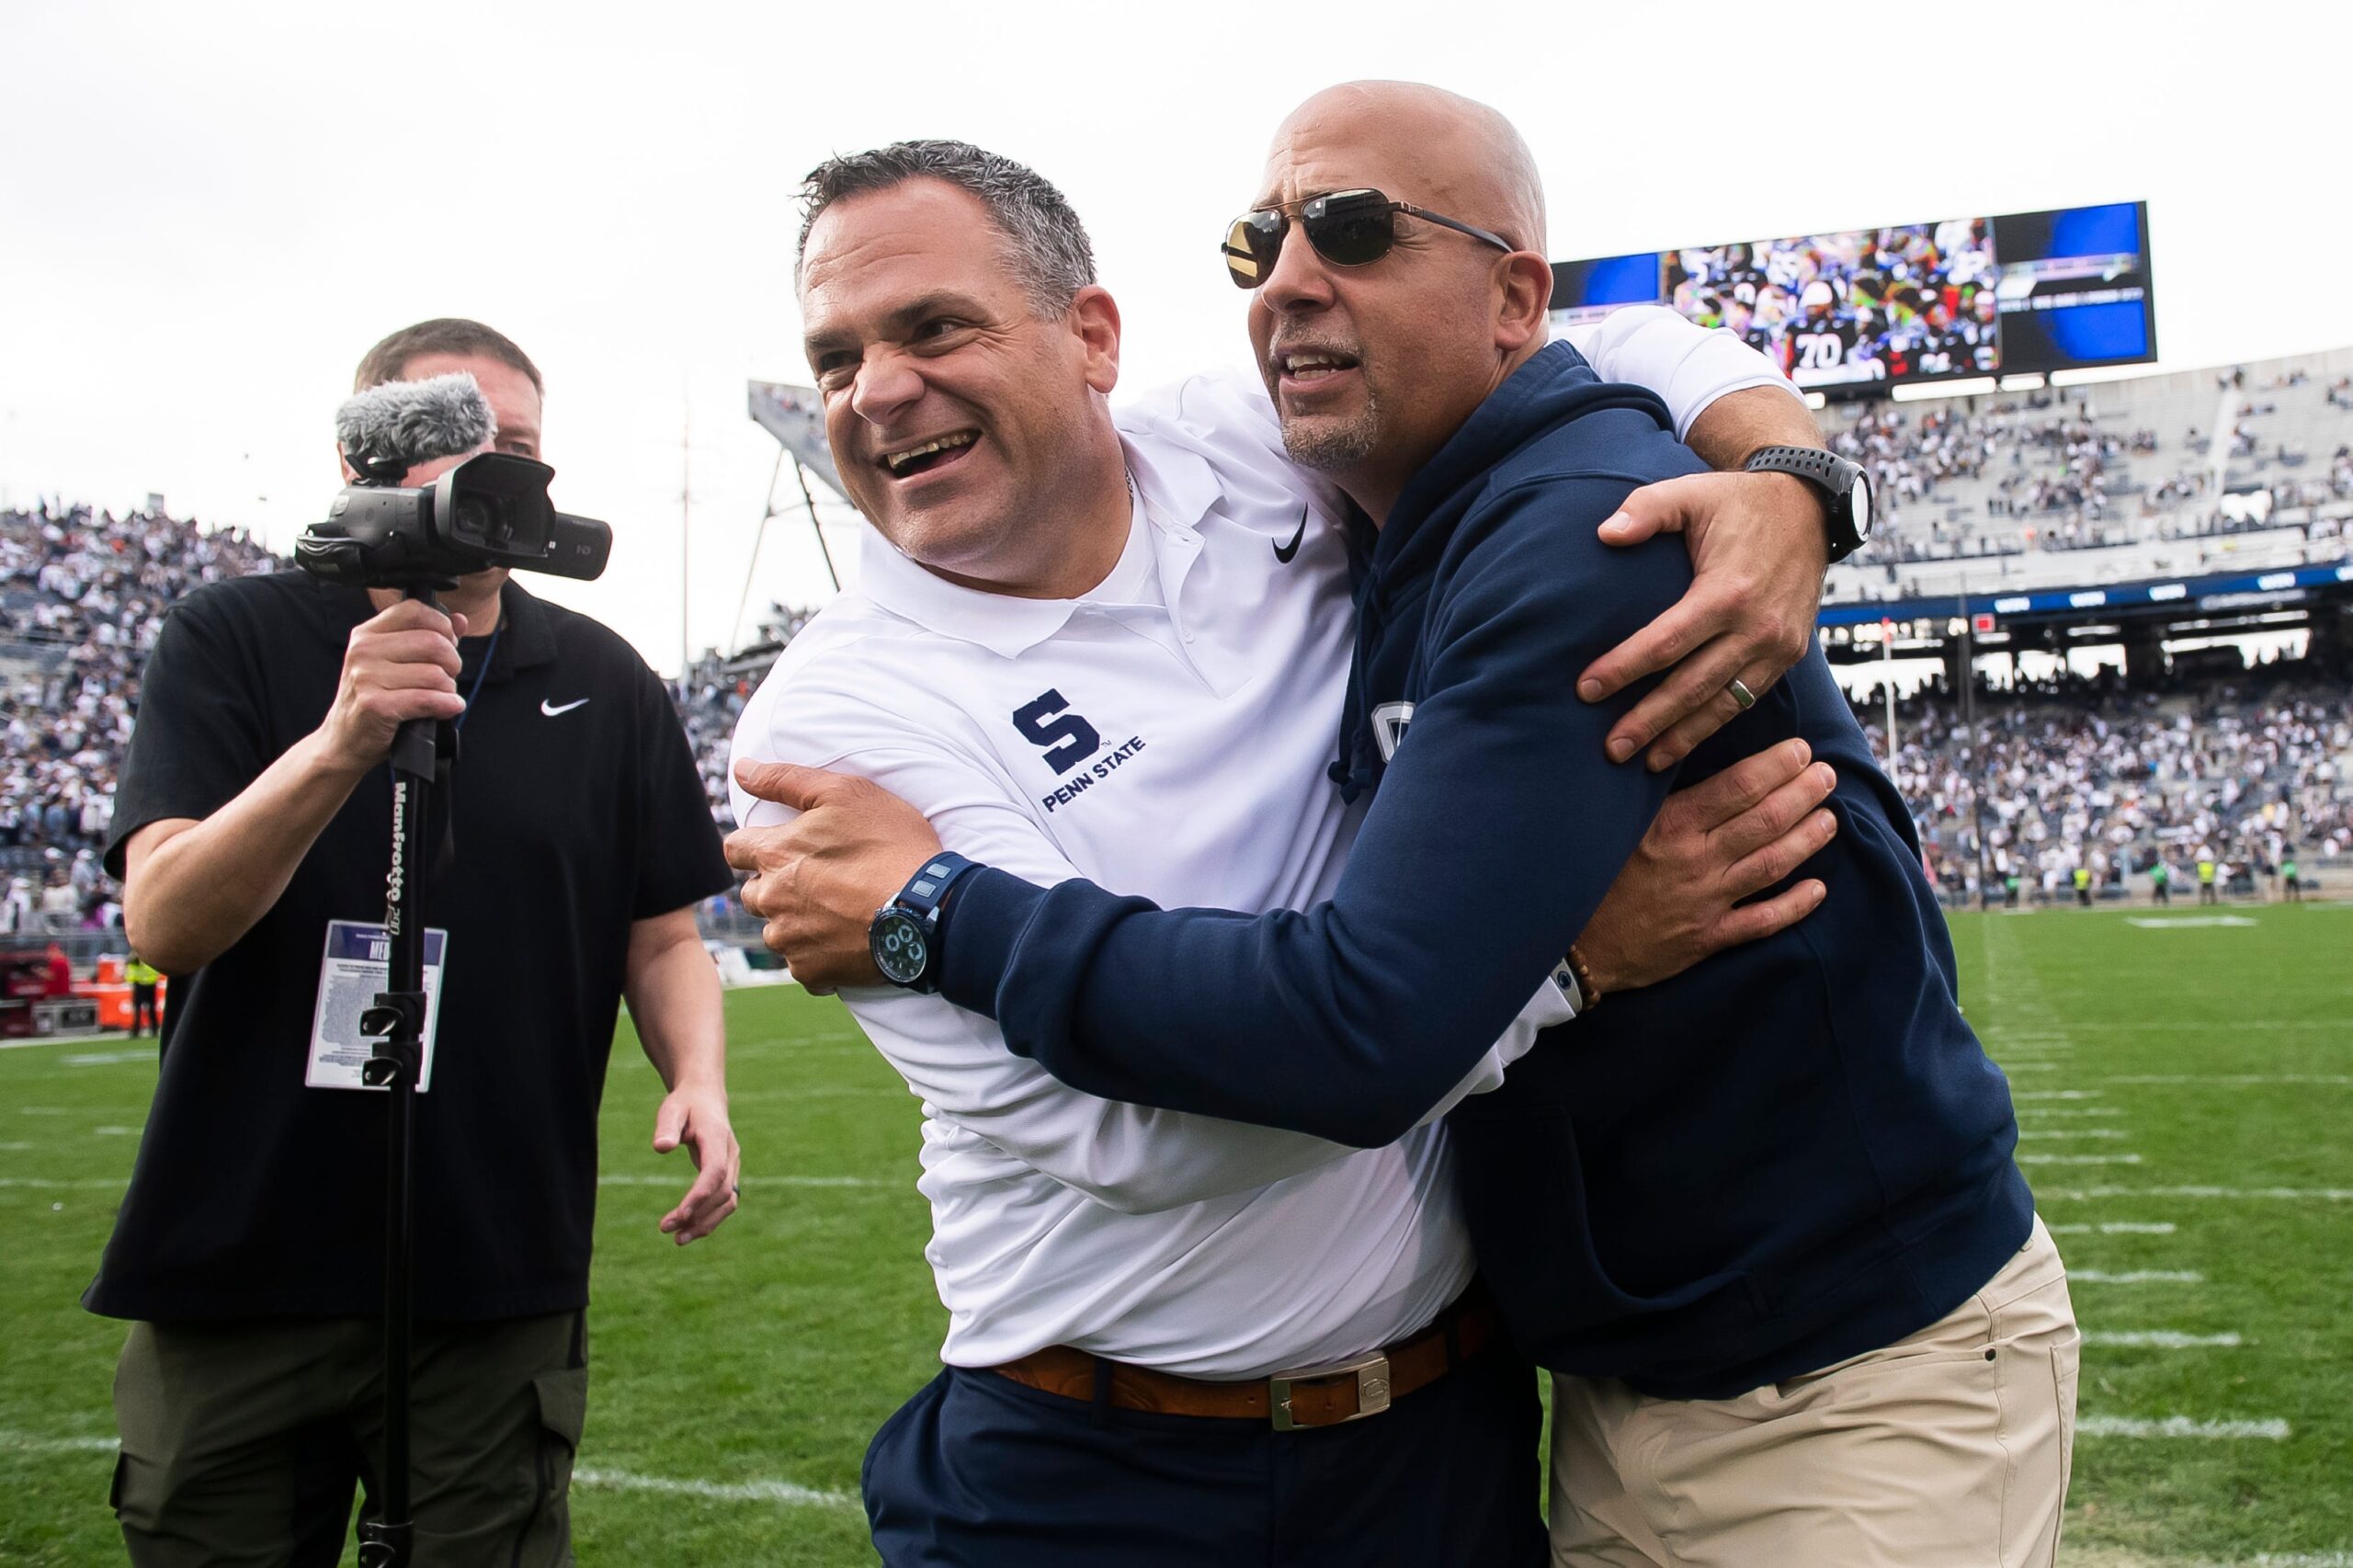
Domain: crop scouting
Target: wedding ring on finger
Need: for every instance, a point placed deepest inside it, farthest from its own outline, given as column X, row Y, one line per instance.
column 1741, row 695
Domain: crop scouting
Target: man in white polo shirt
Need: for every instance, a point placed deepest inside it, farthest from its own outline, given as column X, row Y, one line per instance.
column 1120, row 651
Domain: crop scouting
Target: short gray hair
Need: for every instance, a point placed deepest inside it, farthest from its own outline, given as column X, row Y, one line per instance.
column 1046, row 245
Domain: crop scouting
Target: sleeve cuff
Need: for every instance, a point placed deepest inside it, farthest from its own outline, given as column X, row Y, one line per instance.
column 977, row 932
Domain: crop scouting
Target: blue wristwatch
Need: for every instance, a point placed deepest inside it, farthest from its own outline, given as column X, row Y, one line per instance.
column 904, row 933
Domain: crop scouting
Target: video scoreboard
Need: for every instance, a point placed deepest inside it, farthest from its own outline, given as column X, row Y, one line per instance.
column 1854, row 313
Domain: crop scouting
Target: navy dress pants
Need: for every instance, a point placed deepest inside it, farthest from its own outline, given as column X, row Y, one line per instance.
column 980, row 1471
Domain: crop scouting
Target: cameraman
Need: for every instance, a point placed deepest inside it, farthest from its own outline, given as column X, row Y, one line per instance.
column 255, row 809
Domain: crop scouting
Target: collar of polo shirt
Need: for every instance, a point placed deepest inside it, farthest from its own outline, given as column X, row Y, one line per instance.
column 1177, row 489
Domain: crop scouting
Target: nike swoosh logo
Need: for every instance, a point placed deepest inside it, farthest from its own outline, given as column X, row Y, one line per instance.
column 1283, row 552
column 567, row 708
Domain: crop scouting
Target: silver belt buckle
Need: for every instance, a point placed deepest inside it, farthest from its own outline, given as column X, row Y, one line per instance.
column 1371, row 1373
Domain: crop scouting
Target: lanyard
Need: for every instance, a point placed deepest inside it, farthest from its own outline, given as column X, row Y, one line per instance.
column 459, row 724
column 480, row 676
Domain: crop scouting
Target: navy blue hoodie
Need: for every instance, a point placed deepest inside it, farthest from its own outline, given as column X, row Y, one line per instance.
column 1791, row 1154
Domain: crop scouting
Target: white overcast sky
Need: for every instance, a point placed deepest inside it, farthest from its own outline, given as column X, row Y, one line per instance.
column 205, row 222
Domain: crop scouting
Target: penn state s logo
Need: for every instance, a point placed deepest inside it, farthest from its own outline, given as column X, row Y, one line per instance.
column 1389, row 721
column 1047, row 722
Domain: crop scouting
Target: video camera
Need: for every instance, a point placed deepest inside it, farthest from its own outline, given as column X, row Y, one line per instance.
column 490, row 510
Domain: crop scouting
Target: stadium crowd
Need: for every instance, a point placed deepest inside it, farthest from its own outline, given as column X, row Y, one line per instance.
column 82, row 596
column 2245, row 777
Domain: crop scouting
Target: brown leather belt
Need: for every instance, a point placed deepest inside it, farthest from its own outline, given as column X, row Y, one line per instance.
column 1317, row 1396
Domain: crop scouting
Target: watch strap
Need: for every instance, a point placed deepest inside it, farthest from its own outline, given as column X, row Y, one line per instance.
column 1833, row 474
column 927, row 891
column 924, row 899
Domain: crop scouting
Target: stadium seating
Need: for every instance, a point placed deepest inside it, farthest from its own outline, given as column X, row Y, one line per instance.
column 2197, row 471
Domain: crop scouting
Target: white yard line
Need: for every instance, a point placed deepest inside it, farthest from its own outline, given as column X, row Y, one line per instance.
column 2235, row 1080
column 57, row 1039
column 2058, row 1095
column 2065, row 1111
column 789, row 1493
column 2165, row 1339
column 2079, row 1159
column 2070, row 1132
column 2284, row 1194
column 682, row 1179
column 2135, row 1277
column 2274, row 1430
column 2115, row 1228
column 24, row 1443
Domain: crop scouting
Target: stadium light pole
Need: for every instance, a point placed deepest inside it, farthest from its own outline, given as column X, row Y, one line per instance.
column 1887, row 677
column 1976, row 751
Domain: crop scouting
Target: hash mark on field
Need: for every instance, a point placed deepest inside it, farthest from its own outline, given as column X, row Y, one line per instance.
column 116, row 1132
column 14, row 1148
column 42, row 1110
column 2274, row 1430
column 2057, row 1110
column 2058, row 1095
column 2165, row 1339
column 2136, row 1277
column 2114, row 1228
column 2079, row 1159
column 2072, row 1132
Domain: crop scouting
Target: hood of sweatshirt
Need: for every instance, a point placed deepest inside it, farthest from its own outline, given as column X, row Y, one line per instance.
column 1490, row 452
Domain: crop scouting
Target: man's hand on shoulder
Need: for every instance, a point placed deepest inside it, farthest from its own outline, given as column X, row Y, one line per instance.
column 1759, row 544
column 1711, row 846
column 818, row 880
column 1748, row 616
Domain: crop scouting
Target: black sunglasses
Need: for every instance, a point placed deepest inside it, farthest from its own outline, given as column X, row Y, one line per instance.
column 1347, row 228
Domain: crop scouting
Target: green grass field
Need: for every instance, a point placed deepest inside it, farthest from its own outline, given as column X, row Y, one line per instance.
column 2186, row 1092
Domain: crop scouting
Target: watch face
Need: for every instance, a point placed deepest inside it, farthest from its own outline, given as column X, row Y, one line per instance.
column 1858, row 502
column 897, row 942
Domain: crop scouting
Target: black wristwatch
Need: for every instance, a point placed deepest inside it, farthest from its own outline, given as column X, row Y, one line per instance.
column 1843, row 484
column 904, row 935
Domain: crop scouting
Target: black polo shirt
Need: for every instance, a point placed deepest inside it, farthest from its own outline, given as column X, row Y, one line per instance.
column 576, row 812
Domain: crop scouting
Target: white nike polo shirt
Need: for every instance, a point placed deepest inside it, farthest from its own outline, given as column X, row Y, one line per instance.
column 1166, row 735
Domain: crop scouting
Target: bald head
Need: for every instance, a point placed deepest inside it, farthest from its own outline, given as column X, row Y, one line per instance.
column 1448, row 152
column 1374, row 362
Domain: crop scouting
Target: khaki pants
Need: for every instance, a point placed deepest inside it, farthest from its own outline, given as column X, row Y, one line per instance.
column 1948, row 1449
column 243, row 1443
